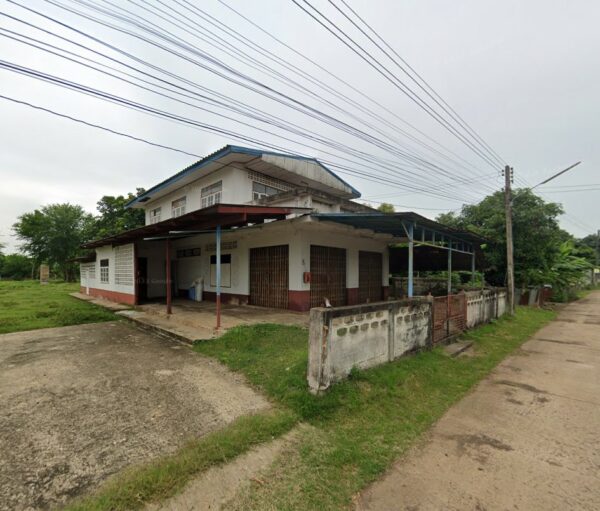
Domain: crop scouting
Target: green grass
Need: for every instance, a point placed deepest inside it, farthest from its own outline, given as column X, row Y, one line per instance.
column 363, row 424
column 353, row 432
column 27, row 305
column 164, row 477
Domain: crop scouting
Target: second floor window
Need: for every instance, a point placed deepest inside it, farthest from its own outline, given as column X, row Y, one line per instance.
column 178, row 207
column 155, row 215
column 260, row 190
column 211, row 194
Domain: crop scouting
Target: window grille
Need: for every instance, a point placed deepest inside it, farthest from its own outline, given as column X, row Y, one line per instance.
column 178, row 207
column 104, row 274
column 155, row 215
column 211, row 194
column 124, row 265
column 281, row 186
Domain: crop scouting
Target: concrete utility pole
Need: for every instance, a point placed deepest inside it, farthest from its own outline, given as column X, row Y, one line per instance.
column 510, row 270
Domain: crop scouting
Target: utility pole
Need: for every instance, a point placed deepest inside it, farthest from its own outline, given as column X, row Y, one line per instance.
column 510, row 270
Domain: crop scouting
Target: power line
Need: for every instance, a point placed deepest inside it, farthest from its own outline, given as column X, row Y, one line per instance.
column 196, row 124
column 97, row 126
column 463, row 123
column 328, row 120
column 386, row 73
column 85, row 34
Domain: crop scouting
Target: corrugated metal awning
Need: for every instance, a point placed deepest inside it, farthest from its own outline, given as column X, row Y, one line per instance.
column 224, row 215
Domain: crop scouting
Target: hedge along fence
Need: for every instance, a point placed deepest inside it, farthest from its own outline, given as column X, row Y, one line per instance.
column 363, row 336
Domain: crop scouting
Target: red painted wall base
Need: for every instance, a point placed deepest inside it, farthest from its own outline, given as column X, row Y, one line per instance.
column 299, row 301
column 109, row 295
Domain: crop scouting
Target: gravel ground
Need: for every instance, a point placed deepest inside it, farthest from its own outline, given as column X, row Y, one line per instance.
column 80, row 403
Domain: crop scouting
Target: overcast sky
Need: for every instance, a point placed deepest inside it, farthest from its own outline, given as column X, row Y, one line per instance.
column 524, row 75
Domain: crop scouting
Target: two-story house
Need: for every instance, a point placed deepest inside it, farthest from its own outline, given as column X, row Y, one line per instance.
column 290, row 237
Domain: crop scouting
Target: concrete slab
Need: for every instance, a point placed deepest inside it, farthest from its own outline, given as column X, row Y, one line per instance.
column 101, row 302
column 196, row 321
column 80, row 403
column 525, row 438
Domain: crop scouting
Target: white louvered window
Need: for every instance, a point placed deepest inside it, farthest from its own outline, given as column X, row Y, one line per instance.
column 211, row 195
column 104, row 271
column 124, row 265
column 155, row 215
column 92, row 271
column 178, row 207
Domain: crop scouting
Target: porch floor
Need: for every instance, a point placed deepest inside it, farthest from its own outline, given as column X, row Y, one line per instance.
column 194, row 321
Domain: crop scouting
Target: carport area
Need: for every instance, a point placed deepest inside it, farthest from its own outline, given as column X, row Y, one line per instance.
column 80, row 403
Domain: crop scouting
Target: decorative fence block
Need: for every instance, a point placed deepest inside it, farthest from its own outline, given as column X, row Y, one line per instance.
column 364, row 336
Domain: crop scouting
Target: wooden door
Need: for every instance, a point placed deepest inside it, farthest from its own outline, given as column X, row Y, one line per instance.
column 370, row 271
column 328, row 276
column 269, row 276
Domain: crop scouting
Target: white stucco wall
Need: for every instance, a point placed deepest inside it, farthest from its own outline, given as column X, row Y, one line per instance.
column 237, row 189
column 109, row 252
column 299, row 236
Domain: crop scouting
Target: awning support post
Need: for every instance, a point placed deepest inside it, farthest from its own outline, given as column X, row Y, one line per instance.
column 168, row 273
column 473, row 267
column 218, row 255
column 449, row 267
column 410, row 258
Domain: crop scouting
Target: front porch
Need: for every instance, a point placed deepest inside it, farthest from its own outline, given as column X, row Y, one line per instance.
column 193, row 321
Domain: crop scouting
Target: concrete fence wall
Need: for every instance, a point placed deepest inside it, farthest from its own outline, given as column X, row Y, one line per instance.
column 364, row 336
column 484, row 306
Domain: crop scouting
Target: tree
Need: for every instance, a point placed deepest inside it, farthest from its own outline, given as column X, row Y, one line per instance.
column 54, row 234
column 587, row 248
column 385, row 207
column 536, row 234
column 114, row 217
column 15, row 266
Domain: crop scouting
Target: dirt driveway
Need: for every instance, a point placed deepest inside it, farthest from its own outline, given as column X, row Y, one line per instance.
column 525, row 439
column 80, row 403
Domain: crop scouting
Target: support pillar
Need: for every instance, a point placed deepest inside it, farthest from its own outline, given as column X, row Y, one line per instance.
column 218, row 297
column 473, row 267
column 168, row 273
column 411, row 245
column 449, row 267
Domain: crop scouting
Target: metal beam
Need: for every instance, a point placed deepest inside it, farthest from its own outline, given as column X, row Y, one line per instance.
column 450, row 268
column 218, row 255
column 411, row 245
column 168, row 273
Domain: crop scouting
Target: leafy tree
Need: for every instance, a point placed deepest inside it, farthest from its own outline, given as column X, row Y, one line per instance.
column 587, row 248
column 54, row 234
column 536, row 234
column 15, row 266
column 384, row 207
column 114, row 217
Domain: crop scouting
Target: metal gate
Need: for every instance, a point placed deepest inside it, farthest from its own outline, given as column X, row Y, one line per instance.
column 269, row 276
column 449, row 316
column 370, row 269
column 328, row 276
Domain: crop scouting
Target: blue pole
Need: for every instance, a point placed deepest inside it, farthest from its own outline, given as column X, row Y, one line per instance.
column 218, row 299
column 410, row 259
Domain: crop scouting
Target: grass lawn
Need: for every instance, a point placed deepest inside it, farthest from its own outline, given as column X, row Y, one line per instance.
column 353, row 433
column 27, row 305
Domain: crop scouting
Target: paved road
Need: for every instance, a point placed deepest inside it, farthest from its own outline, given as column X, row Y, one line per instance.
column 527, row 438
column 80, row 403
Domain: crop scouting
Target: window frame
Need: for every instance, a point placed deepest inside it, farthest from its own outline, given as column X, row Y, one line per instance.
column 211, row 194
column 105, row 271
column 155, row 218
column 179, row 210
